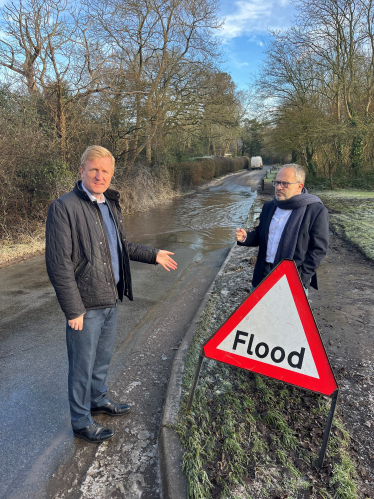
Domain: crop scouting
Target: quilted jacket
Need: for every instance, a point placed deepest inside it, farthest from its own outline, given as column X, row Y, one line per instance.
column 77, row 253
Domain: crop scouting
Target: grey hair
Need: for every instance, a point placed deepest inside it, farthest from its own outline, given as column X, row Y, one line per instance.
column 299, row 172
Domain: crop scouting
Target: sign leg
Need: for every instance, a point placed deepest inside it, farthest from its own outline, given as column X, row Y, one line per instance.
column 328, row 428
column 195, row 380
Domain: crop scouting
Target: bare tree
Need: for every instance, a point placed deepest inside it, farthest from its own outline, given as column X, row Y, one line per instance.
column 50, row 46
column 320, row 72
column 28, row 27
column 154, row 41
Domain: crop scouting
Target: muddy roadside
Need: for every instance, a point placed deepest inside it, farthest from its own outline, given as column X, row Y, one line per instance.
column 343, row 308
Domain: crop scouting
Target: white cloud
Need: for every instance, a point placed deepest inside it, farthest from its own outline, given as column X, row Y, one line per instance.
column 255, row 17
column 239, row 65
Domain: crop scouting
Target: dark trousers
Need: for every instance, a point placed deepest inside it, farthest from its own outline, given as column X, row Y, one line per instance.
column 89, row 354
column 266, row 272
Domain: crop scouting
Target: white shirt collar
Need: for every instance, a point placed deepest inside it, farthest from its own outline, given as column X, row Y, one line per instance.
column 102, row 200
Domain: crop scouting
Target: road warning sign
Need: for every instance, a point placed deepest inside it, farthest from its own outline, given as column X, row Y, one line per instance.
column 274, row 333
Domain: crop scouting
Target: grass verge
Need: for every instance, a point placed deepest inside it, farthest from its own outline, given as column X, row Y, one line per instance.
column 28, row 244
column 270, row 177
column 352, row 217
column 252, row 437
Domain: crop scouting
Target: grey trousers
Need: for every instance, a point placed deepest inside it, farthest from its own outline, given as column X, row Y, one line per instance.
column 89, row 354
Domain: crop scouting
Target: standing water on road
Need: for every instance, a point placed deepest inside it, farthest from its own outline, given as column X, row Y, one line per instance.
column 35, row 435
column 204, row 220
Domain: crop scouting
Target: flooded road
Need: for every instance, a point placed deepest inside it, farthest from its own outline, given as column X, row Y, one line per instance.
column 38, row 455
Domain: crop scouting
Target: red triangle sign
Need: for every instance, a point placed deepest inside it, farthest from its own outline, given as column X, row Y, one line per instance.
column 274, row 333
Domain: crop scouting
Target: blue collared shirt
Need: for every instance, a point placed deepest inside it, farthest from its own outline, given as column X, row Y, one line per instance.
column 111, row 233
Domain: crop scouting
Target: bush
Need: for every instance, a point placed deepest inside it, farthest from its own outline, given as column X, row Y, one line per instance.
column 143, row 188
column 364, row 181
column 192, row 173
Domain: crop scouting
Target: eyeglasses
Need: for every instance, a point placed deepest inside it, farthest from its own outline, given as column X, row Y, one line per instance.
column 284, row 185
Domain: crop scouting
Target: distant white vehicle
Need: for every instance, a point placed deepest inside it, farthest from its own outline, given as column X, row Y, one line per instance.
column 256, row 162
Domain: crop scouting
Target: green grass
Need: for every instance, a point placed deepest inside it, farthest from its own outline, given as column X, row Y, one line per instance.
column 352, row 217
column 233, row 433
column 271, row 176
column 245, row 426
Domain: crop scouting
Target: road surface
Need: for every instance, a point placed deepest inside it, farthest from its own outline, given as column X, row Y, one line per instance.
column 39, row 456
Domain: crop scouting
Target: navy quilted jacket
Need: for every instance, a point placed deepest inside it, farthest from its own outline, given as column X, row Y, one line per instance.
column 77, row 253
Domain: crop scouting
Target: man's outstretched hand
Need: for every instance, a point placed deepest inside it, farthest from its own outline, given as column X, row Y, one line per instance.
column 164, row 259
column 240, row 235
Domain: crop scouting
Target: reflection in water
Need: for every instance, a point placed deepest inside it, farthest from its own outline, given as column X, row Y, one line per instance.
column 204, row 220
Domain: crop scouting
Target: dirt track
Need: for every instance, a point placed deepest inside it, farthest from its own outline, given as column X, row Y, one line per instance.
column 344, row 311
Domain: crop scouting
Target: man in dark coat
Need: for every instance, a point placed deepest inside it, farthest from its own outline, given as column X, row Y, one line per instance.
column 293, row 225
column 87, row 257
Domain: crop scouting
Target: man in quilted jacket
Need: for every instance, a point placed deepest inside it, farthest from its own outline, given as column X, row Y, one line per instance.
column 87, row 257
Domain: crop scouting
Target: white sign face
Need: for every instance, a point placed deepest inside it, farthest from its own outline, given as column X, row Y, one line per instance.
column 272, row 333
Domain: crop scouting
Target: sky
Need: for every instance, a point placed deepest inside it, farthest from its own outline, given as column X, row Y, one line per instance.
column 245, row 34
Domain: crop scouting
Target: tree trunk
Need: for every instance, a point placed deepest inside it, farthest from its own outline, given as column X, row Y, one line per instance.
column 148, row 150
column 134, row 146
column 125, row 153
column 330, row 176
column 61, row 123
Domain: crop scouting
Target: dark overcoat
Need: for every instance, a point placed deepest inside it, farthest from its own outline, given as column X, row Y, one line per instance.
column 311, row 246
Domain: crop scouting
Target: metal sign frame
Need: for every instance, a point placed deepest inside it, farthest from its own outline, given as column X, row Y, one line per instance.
column 333, row 396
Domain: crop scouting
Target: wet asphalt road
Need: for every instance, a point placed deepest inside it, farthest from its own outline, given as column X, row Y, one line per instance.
column 36, row 440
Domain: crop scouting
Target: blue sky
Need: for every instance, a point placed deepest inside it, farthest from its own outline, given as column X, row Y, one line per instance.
column 244, row 33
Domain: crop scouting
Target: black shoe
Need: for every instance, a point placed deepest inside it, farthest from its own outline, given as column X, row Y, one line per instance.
column 112, row 409
column 94, row 433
